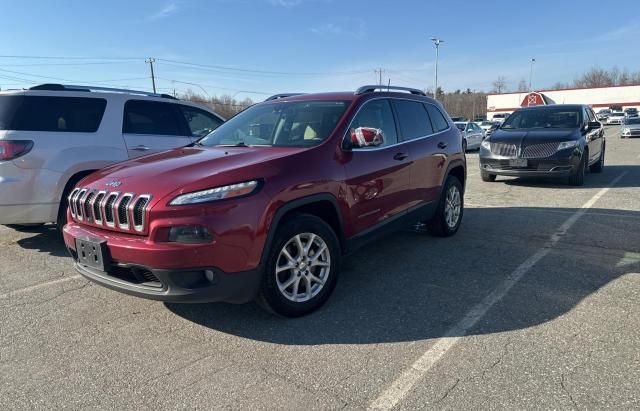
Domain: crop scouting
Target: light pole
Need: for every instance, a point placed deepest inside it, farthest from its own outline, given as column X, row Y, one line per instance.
column 436, row 42
column 531, row 73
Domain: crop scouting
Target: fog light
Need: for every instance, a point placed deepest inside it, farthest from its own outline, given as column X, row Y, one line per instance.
column 190, row 234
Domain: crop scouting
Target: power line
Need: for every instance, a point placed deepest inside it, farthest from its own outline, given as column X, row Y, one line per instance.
column 216, row 87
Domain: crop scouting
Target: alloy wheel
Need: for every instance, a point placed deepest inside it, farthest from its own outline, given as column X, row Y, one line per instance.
column 303, row 267
column 452, row 207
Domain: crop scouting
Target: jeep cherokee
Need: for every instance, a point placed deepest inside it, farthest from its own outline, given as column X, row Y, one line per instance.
column 265, row 206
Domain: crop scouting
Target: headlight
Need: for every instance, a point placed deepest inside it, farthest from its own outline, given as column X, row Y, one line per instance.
column 218, row 193
column 567, row 144
column 626, row 131
column 486, row 145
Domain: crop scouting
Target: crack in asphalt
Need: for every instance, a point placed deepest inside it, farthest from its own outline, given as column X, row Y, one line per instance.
column 567, row 392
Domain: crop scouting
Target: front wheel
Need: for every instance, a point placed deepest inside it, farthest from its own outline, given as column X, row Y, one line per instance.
column 577, row 177
column 599, row 166
column 448, row 217
column 302, row 269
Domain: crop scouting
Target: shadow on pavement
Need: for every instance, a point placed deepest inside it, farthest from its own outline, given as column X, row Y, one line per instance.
column 413, row 287
column 47, row 239
column 591, row 180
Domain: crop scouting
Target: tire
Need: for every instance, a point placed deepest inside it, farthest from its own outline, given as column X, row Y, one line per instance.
column 487, row 177
column 599, row 166
column 443, row 224
column 577, row 177
column 280, row 292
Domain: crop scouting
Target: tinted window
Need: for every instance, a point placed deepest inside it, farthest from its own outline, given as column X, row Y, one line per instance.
column 199, row 121
column 437, row 119
column 461, row 126
column 152, row 117
column 413, row 118
column 287, row 124
column 62, row 114
column 377, row 114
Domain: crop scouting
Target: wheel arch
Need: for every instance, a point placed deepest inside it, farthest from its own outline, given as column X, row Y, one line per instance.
column 322, row 205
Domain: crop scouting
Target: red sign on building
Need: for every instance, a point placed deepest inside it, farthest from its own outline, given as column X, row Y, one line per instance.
column 533, row 99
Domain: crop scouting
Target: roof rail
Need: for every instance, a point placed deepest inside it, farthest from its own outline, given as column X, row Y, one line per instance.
column 69, row 87
column 283, row 95
column 372, row 88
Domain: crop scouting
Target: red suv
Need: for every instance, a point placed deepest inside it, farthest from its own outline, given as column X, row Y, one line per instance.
column 265, row 206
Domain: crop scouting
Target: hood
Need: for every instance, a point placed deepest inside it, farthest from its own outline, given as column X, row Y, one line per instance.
column 186, row 169
column 632, row 126
column 534, row 136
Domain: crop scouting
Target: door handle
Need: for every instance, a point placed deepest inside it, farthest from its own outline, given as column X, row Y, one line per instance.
column 140, row 148
column 442, row 145
column 400, row 156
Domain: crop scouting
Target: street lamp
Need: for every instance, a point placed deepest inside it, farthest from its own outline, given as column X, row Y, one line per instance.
column 531, row 73
column 436, row 42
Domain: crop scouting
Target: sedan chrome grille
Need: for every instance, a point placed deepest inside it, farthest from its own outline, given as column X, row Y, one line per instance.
column 543, row 150
column 126, row 211
column 504, row 149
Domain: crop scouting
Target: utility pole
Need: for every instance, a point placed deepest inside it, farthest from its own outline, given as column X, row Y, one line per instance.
column 380, row 71
column 436, row 42
column 153, row 77
column 531, row 72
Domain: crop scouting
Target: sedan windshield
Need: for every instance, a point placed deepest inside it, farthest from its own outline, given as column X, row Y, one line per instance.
column 283, row 124
column 552, row 117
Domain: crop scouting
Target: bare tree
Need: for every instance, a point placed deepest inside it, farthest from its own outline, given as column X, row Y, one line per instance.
column 224, row 105
column 500, row 85
column 522, row 85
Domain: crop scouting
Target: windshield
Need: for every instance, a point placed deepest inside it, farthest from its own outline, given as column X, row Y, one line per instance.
column 282, row 124
column 617, row 114
column 461, row 126
column 634, row 120
column 557, row 117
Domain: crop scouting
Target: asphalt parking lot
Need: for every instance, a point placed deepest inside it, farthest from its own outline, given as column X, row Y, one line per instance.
column 534, row 304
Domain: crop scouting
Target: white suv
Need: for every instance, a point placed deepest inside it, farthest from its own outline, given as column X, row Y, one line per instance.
column 53, row 135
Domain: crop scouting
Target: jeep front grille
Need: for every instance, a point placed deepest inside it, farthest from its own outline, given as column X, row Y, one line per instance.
column 115, row 210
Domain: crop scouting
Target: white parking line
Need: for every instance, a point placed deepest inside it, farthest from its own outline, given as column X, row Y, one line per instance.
column 39, row 286
column 405, row 382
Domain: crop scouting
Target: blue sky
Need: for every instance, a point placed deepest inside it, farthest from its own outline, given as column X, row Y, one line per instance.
column 268, row 46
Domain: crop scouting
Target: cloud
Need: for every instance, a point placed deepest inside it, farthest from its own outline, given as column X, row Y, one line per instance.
column 355, row 28
column 167, row 10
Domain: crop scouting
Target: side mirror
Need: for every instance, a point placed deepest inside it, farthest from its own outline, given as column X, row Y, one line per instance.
column 593, row 125
column 366, row 137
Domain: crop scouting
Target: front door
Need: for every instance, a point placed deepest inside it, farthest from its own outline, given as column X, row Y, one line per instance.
column 378, row 178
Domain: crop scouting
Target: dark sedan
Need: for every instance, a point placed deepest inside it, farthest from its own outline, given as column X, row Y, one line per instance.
column 558, row 140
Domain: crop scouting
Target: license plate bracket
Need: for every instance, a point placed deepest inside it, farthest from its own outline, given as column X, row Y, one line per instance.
column 518, row 162
column 92, row 253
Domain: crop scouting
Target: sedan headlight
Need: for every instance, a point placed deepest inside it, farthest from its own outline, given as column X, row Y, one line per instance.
column 215, row 194
column 567, row 144
column 486, row 145
column 626, row 131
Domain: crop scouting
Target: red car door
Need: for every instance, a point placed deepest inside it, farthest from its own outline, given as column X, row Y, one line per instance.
column 377, row 178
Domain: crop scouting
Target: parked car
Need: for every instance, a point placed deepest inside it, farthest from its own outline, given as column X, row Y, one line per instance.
column 266, row 206
column 616, row 117
column 603, row 114
column 471, row 133
column 631, row 112
column 52, row 135
column 486, row 125
column 500, row 117
column 491, row 129
column 559, row 140
column 458, row 118
column 631, row 127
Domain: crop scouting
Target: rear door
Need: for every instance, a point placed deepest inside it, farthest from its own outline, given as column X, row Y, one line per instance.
column 593, row 137
column 378, row 178
column 427, row 145
column 153, row 126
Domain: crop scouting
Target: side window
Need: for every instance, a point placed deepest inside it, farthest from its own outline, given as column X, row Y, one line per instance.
column 437, row 119
column 153, row 117
column 413, row 118
column 199, row 121
column 377, row 114
column 61, row 114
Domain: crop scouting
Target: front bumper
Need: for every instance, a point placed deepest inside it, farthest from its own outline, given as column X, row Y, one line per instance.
column 179, row 285
column 546, row 167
